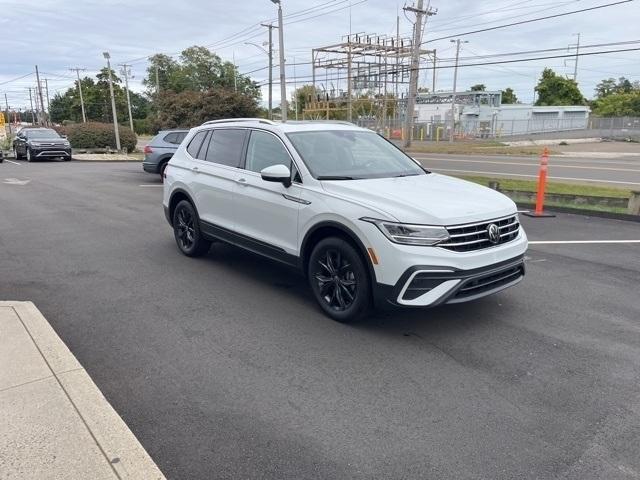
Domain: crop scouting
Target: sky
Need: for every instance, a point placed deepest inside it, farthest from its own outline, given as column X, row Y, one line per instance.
column 58, row 35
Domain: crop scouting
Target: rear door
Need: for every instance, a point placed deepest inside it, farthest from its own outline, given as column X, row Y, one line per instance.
column 215, row 171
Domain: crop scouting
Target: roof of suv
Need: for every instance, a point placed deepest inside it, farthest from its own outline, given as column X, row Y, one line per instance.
column 289, row 126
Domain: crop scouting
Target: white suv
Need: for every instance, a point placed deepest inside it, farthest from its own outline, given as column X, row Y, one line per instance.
column 364, row 222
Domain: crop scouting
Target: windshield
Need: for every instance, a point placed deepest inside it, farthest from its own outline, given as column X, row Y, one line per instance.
column 351, row 155
column 42, row 134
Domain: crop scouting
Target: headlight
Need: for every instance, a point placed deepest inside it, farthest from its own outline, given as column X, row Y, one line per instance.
column 408, row 234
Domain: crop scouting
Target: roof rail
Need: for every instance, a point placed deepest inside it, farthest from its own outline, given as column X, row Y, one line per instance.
column 339, row 122
column 231, row 120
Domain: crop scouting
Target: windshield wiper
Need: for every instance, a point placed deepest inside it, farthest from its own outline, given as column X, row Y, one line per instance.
column 406, row 175
column 334, row 177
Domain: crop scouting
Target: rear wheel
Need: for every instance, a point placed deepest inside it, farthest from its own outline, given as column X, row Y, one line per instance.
column 186, row 229
column 339, row 280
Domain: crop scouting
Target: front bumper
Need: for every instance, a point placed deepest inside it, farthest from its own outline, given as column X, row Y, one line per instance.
column 50, row 152
column 428, row 286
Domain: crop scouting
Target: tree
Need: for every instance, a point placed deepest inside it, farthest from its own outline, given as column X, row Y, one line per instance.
column 618, row 105
column 609, row 86
column 479, row 87
column 509, row 96
column 198, row 69
column 556, row 90
column 97, row 101
column 303, row 96
column 190, row 108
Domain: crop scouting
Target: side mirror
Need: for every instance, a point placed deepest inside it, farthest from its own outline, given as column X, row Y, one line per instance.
column 277, row 173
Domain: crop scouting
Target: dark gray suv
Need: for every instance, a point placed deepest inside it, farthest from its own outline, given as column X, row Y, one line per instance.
column 40, row 144
column 160, row 150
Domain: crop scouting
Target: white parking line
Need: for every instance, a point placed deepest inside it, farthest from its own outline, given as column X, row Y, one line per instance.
column 573, row 242
column 15, row 163
column 151, row 185
column 597, row 180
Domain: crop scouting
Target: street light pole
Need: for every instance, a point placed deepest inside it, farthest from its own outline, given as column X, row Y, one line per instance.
column 113, row 101
column 270, row 53
column 283, row 82
column 455, row 80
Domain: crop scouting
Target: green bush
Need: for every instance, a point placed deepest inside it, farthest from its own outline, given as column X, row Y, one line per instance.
column 99, row 135
column 142, row 126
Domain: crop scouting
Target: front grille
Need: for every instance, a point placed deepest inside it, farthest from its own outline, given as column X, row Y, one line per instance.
column 475, row 236
column 489, row 282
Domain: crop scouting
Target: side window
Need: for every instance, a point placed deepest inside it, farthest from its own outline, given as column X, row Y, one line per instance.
column 196, row 142
column 225, row 147
column 180, row 137
column 265, row 150
column 171, row 138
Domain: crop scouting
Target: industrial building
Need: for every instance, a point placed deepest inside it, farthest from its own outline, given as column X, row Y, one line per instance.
column 482, row 114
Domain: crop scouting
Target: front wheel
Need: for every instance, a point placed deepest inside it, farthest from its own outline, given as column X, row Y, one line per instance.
column 186, row 229
column 29, row 155
column 338, row 277
column 16, row 154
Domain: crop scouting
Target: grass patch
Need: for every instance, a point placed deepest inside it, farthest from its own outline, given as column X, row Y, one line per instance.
column 586, row 208
column 552, row 187
column 483, row 148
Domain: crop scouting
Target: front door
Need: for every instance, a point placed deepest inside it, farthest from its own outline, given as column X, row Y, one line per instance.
column 267, row 212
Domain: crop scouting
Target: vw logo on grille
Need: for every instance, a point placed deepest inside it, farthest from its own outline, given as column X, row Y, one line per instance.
column 494, row 233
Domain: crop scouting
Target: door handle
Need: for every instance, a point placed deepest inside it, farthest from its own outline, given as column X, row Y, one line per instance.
column 242, row 181
column 195, row 169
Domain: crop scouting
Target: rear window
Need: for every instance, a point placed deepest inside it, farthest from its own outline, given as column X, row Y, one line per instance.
column 226, row 147
column 196, row 143
column 175, row 137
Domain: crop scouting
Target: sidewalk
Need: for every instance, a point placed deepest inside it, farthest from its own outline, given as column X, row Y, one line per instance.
column 54, row 421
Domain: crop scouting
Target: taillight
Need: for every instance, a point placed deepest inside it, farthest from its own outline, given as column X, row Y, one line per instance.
column 147, row 149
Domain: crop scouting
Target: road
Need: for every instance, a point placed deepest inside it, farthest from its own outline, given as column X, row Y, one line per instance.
column 623, row 171
column 224, row 368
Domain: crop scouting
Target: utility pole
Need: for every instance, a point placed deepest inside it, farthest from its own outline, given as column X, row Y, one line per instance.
column 126, row 70
column 235, row 74
column 107, row 56
column 575, row 66
column 33, row 116
column 283, row 81
column 415, row 65
column 157, row 81
column 349, row 81
column 455, row 80
column 270, row 27
column 433, row 87
column 6, row 103
column 44, row 116
column 78, row 70
column 46, row 86
column 295, row 88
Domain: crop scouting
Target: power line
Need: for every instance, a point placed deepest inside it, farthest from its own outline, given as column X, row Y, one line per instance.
column 530, row 20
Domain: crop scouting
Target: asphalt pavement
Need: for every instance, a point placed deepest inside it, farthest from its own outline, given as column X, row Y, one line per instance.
column 618, row 171
column 223, row 367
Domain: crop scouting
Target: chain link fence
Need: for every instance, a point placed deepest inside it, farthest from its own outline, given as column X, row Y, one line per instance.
column 623, row 128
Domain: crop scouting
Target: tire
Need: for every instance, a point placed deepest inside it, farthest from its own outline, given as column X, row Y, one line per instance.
column 186, row 230
column 16, row 154
column 162, row 169
column 67, row 159
column 29, row 157
column 339, row 280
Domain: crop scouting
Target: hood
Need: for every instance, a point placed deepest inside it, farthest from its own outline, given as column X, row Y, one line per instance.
column 53, row 141
column 430, row 199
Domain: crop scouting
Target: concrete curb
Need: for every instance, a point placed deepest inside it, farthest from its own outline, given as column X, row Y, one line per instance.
column 92, row 436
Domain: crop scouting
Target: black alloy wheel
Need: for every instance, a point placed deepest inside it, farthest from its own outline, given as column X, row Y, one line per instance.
column 339, row 280
column 186, row 228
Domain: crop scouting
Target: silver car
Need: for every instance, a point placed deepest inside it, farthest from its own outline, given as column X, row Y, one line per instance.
column 160, row 149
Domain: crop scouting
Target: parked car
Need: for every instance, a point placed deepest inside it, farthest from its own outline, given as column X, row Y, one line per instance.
column 161, row 148
column 40, row 144
column 364, row 222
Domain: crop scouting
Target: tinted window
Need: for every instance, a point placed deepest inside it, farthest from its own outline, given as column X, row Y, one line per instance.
column 265, row 150
column 225, row 147
column 37, row 133
column 196, row 142
column 170, row 138
column 175, row 137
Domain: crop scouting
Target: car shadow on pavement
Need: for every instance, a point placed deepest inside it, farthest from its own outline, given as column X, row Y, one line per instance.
column 394, row 321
